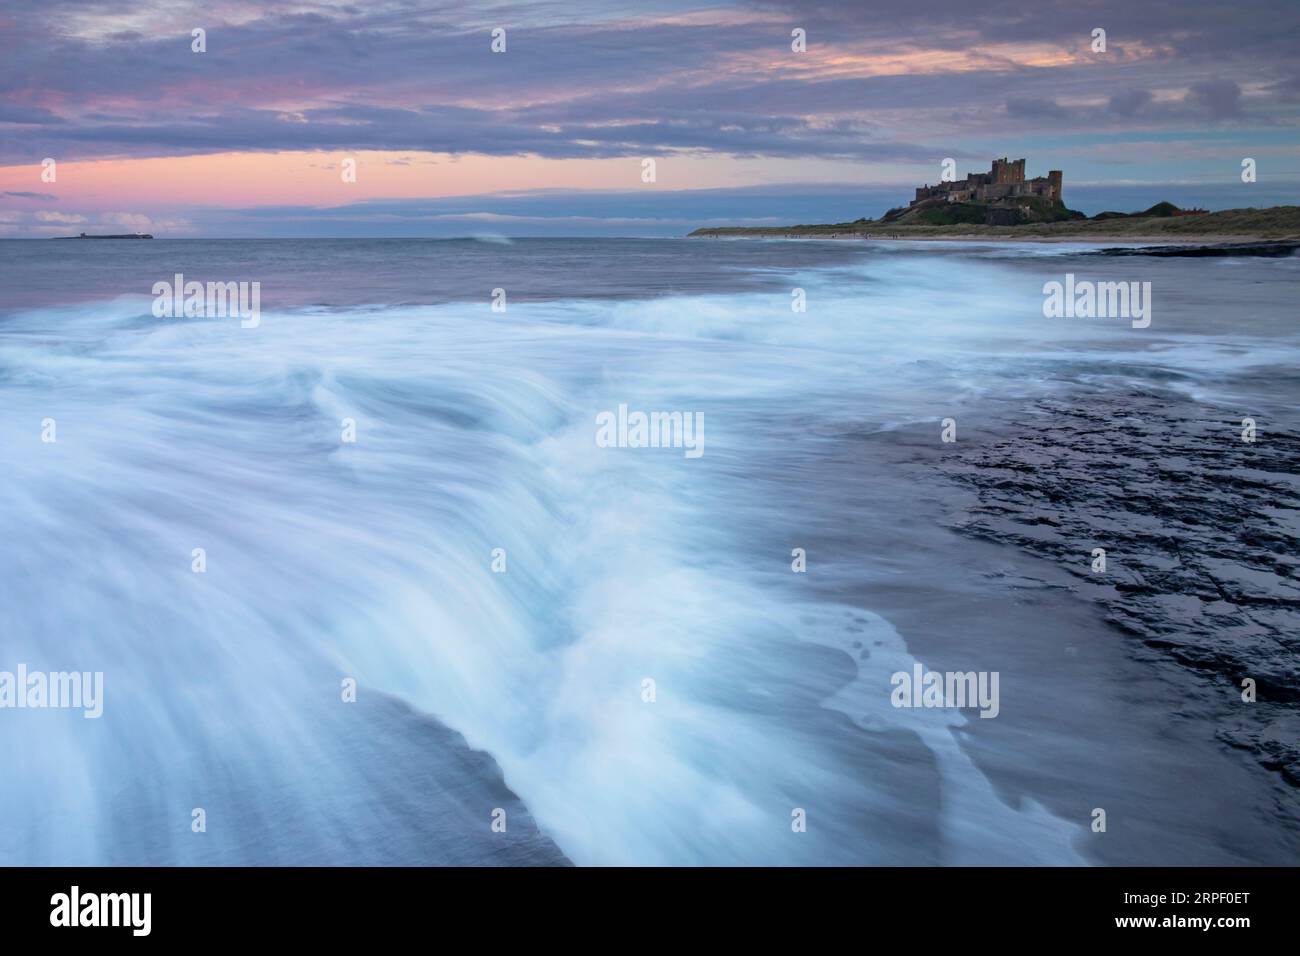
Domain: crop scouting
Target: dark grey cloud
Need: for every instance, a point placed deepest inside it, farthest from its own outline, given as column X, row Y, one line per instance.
column 1205, row 101
column 1129, row 102
column 18, row 113
column 1031, row 108
column 1219, row 98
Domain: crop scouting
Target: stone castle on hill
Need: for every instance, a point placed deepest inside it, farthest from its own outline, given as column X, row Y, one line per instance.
column 1006, row 180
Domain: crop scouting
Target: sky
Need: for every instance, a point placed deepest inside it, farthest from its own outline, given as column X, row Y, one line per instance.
column 112, row 121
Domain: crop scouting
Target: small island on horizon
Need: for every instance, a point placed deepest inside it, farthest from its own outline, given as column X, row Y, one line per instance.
column 128, row 235
column 1003, row 204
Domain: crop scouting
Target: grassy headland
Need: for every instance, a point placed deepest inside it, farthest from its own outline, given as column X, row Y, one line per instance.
column 1155, row 224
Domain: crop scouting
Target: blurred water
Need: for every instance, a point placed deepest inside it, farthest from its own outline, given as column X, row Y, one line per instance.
column 475, row 431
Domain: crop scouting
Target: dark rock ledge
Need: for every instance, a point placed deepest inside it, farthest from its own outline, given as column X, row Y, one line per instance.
column 1201, row 532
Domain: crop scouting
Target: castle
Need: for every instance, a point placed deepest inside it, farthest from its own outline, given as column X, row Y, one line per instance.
column 1006, row 180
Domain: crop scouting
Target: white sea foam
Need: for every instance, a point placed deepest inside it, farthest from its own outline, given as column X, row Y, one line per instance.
column 372, row 559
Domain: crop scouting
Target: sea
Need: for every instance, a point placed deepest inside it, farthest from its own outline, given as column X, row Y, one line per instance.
column 365, row 586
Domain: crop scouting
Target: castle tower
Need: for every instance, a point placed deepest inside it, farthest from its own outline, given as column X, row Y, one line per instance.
column 1006, row 171
column 1055, row 182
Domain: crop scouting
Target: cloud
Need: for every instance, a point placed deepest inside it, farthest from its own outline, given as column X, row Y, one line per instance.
column 1217, row 100
column 594, row 82
column 47, row 216
column 1220, row 98
column 485, row 132
column 19, row 114
column 139, row 222
column 132, row 220
column 18, row 194
column 1030, row 108
column 1129, row 102
column 1259, row 30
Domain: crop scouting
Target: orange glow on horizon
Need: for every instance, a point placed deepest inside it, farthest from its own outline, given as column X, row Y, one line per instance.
column 235, row 180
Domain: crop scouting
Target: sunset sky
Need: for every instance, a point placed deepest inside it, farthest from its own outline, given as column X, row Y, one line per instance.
column 547, row 138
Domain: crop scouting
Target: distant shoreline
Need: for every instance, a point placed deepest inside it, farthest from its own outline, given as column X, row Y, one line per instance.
column 1099, row 240
column 1231, row 225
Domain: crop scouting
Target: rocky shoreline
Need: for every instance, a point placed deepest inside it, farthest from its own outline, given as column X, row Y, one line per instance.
column 1191, row 245
column 1201, row 532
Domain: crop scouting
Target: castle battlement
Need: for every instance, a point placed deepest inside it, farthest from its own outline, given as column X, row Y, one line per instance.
column 1005, row 180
